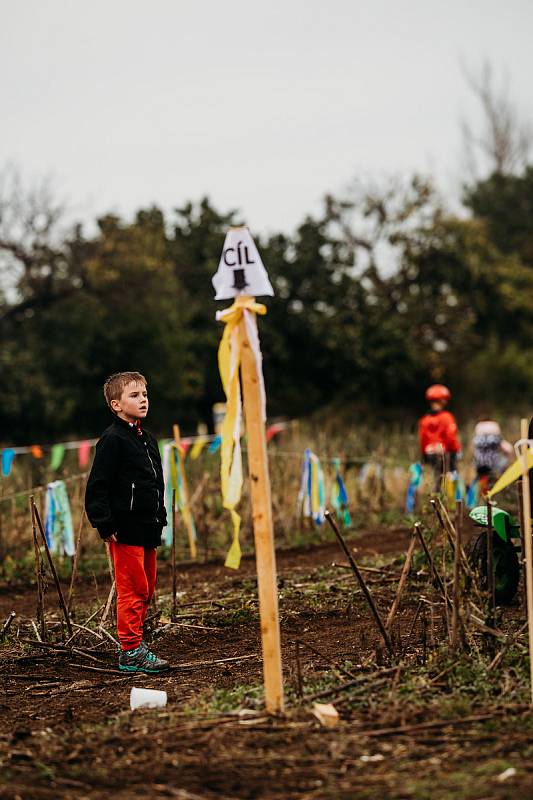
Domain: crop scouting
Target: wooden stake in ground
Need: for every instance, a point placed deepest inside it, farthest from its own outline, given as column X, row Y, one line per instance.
column 263, row 525
column 522, row 545
column 186, row 511
column 362, row 584
column 174, row 578
column 456, row 599
column 240, row 275
column 436, row 577
column 52, row 568
column 109, row 602
column 402, row 582
column 526, row 499
column 491, row 583
column 112, row 594
column 75, row 561
column 38, row 574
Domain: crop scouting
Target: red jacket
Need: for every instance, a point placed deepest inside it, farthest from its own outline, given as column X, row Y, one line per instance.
column 437, row 431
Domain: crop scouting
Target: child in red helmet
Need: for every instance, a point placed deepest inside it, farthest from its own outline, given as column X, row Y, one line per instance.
column 437, row 431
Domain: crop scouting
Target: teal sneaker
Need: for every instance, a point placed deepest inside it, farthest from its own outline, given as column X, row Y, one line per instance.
column 140, row 659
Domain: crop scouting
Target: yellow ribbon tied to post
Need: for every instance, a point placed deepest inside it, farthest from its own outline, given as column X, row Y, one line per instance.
column 229, row 361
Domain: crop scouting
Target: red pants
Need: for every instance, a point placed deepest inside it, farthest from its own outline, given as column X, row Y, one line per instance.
column 135, row 572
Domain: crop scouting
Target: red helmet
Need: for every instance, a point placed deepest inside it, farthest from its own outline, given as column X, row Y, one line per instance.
column 438, row 392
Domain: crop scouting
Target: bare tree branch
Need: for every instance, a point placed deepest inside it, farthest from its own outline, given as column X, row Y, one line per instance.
column 504, row 141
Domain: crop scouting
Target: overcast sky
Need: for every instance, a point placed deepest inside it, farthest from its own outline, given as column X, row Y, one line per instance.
column 262, row 106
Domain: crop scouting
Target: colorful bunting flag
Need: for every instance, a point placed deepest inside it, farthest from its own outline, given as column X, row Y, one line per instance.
column 198, row 446
column 274, row 429
column 339, row 497
column 312, row 488
column 472, row 494
column 58, row 527
column 7, row 460
column 83, row 454
column 415, row 478
column 36, row 451
column 173, row 480
column 56, row 456
column 215, row 445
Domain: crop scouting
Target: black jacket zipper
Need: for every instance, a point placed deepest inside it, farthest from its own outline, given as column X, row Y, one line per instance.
column 155, row 476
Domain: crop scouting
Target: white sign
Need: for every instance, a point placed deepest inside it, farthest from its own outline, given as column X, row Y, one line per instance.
column 240, row 270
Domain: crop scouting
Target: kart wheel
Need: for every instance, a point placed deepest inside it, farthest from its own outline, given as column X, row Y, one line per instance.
column 506, row 566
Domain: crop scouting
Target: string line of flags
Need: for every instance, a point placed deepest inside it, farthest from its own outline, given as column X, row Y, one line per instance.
column 192, row 445
column 311, row 496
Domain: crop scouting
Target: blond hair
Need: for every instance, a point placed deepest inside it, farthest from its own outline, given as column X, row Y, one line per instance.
column 115, row 384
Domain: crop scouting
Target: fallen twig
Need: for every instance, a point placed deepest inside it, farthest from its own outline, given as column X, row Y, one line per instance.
column 510, row 640
column 101, row 669
column 77, row 633
column 350, row 684
column 317, row 652
column 422, row 726
column 217, row 661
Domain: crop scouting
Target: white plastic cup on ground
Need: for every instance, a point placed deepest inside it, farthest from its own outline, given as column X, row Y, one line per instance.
column 147, row 698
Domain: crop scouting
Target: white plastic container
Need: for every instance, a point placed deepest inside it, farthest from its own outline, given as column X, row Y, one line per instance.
column 147, row 698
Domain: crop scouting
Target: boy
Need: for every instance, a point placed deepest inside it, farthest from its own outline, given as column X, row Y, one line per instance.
column 437, row 431
column 124, row 501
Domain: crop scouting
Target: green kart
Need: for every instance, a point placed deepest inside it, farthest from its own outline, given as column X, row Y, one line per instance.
column 505, row 560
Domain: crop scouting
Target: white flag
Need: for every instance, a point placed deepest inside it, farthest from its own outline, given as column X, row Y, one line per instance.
column 240, row 270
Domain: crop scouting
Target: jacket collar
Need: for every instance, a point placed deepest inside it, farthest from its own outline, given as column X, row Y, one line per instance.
column 121, row 423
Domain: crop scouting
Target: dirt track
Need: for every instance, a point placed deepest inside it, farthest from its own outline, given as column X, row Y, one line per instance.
column 66, row 731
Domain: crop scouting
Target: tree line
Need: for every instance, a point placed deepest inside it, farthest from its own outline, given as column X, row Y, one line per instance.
column 381, row 293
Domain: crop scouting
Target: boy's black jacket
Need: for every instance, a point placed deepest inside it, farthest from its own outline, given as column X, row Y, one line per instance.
column 125, row 490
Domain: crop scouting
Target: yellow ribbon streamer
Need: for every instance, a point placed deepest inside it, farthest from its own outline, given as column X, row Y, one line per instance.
column 229, row 360
column 511, row 474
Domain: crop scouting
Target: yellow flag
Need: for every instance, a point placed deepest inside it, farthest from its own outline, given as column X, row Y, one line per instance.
column 229, row 360
column 197, row 447
column 511, row 474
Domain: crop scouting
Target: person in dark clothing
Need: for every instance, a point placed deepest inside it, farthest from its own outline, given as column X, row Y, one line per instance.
column 124, row 500
column 492, row 453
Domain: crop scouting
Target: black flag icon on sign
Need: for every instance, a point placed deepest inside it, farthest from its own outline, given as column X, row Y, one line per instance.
column 239, row 280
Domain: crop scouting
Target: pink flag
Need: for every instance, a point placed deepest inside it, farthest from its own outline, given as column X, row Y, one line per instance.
column 83, row 454
column 274, row 429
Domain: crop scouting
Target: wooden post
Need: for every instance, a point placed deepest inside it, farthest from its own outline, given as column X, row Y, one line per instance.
column 52, row 568
column 522, row 545
column 436, row 577
column 38, row 575
column 186, row 508
column 454, row 635
column 174, row 579
column 401, row 584
column 111, row 568
column 75, row 562
column 491, row 583
column 263, row 526
column 526, row 500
